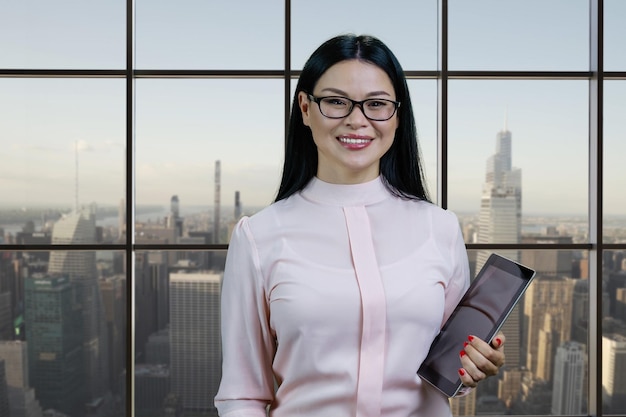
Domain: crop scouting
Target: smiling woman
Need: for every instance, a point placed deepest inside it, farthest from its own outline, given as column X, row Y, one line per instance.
column 156, row 91
column 351, row 230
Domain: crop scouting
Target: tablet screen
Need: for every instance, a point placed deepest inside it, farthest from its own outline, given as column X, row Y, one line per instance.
column 481, row 312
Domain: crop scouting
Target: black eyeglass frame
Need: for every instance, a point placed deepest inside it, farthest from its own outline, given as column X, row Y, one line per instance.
column 396, row 105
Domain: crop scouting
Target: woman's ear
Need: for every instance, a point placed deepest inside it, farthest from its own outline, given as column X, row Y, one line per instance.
column 305, row 106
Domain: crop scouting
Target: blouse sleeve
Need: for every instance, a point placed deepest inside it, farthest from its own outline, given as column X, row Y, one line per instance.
column 248, row 346
column 460, row 275
column 459, row 283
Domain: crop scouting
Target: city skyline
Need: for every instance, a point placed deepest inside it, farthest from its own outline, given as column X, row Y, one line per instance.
column 209, row 149
column 180, row 128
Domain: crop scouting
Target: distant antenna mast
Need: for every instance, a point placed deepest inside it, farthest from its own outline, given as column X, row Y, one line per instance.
column 506, row 118
column 76, row 179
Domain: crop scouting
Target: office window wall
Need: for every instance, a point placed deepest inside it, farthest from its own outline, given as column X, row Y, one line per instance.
column 136, row 133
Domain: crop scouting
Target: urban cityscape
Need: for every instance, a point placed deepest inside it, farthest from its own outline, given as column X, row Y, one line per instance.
column 63, row 322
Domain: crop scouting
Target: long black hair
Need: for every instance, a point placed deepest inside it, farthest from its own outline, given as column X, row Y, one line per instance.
column 400, row 166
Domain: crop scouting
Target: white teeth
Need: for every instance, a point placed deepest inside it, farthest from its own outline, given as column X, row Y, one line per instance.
column 353, row 141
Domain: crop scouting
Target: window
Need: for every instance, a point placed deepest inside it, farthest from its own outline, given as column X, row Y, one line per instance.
column 137, row 132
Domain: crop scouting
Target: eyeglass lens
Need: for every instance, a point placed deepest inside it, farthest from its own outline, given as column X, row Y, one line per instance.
column 375, row 109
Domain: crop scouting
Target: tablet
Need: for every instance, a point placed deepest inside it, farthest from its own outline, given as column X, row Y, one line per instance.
column 483, row 309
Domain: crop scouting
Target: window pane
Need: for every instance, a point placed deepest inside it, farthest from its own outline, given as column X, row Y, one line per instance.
column 63, row 34
column 185, row 129
column 63, row 325
column 614, row 170
column 198, row 34
column 65, row 150
column 177, row 332
column 614, row 35
column 519, row 35
column 415, row 45
column 614, row 333
column 546, row 340
column 517, row 155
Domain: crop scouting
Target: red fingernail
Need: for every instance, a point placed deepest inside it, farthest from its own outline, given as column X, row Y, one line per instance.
column 499, row 341
column 461, row 371
column 465, row 344
column 470, row 338
column 462, row 353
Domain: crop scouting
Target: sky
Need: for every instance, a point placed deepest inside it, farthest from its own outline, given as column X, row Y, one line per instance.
column 51, row 129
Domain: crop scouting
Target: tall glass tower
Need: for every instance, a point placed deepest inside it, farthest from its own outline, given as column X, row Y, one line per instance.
column 80, row 266
column 500, row 221
column 501, row 203
column 195, row 345
column 568, row 379
column 53, row 334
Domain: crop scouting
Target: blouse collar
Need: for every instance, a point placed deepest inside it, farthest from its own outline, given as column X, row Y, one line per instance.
column 348, row 195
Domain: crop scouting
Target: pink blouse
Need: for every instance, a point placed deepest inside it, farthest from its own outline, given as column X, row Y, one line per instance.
column 330, row 301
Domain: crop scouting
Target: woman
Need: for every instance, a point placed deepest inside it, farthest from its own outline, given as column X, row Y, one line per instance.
column 333, row 294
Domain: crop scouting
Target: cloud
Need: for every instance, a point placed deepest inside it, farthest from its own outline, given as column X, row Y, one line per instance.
column 82, row 146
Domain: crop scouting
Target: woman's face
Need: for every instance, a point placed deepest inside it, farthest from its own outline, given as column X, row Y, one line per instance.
column 349, row 149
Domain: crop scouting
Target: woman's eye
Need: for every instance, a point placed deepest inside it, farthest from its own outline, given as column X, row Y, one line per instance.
column 335, row 101
column 377, row 103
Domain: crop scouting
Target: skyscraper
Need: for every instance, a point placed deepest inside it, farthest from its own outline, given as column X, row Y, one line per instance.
column 614, row 373
column 80, row 266
column 22, row 402
column 501, row 203
column 548, row 317
column 500, row 221
column 4, row 392
column 113, row 291
column 568, row 379
column 174, row 221
column 55, row 348
column 195, row 363
column 217, row 202
column 6, row 317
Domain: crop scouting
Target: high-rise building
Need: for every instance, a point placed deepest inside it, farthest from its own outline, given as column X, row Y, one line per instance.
column 500, row 218
column 464, row 405
column 548, row 262
column 616, row 281
column 238, row 211
column 6, row 317
column 113, row 290
column 121, row 221
column 80, row 266
column 174, row 220
column 4, row 391
column 580, row 311
column 195, row 345
column 55, row 343
column 510, row 385
column 22, row 402
column 152, row 385
column 10, row 280
column 500, row 221
column 614, row 373
column 217, row 202
column 158, row 348
column 569, row 379
column 548, row 320
column 151, row 297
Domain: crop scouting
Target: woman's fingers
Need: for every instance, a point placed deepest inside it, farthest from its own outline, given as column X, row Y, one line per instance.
column 480, row 360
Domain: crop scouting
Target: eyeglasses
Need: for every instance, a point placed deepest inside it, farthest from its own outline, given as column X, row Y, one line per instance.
column 337, row 107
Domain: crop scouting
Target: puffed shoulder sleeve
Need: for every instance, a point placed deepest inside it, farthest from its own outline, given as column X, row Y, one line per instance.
column 248, row 345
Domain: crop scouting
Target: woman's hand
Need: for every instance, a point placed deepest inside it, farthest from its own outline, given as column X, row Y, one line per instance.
column 480, row 359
